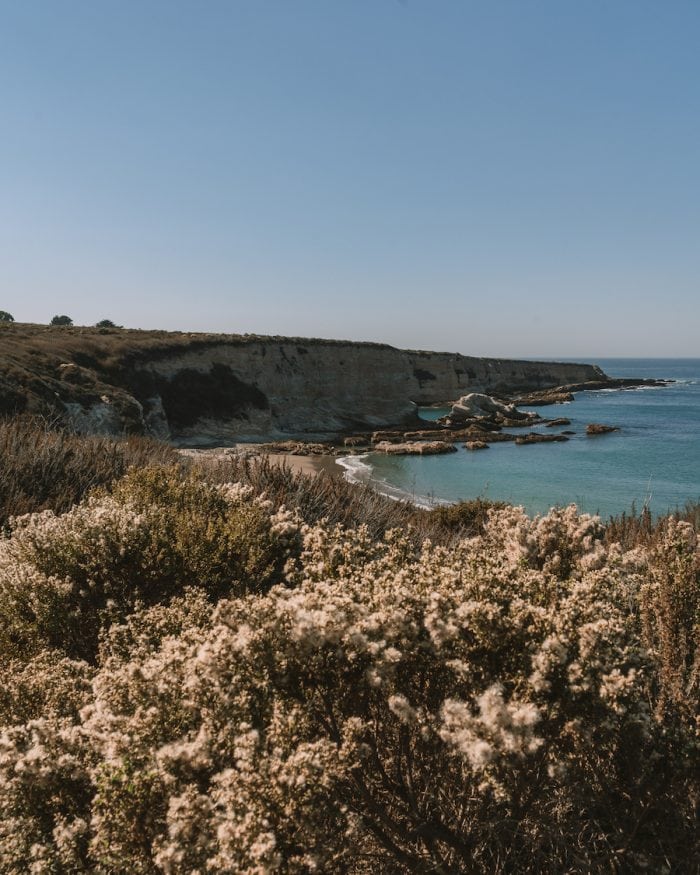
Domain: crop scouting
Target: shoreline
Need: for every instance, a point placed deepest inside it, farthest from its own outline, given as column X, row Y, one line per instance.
column 308, row 465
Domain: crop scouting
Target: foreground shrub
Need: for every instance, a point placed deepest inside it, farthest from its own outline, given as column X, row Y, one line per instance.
column 502, row 705
column 45, row 783
column 64, row 578
column 670, row 606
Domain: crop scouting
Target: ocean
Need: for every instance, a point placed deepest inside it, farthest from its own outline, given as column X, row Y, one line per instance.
column 653, row 461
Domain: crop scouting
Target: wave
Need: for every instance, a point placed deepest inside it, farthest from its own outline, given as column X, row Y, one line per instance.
column 357, row 470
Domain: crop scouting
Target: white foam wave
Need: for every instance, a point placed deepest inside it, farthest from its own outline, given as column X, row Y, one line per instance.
column 357, row 470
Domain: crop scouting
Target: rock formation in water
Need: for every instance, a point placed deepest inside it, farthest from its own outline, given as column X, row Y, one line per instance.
column 478, row 408
column 476, row 445
column 415, row 448
column 534, row 438
column 595, row 428
column 197, row 389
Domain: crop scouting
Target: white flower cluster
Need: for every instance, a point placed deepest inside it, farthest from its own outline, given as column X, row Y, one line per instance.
column 500, row 728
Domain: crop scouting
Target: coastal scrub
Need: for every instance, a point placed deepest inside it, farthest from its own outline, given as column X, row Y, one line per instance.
column 199, row 680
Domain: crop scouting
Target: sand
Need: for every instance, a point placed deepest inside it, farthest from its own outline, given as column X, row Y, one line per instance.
column 307, row 464
column 311, row 465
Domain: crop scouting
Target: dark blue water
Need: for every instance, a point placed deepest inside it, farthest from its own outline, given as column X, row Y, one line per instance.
column 653, row 461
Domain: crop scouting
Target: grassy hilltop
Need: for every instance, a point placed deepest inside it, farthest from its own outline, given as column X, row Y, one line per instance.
column 234, row 669
column 38, row 363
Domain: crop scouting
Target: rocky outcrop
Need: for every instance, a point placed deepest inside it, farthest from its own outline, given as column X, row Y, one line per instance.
column 477, row 406
column 476, row 445
column 549, row 396
column 415, row 448
column 480, row 411
column 564, row 393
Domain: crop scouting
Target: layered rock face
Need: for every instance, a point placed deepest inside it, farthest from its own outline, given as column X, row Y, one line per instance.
column 441, row 376
column 330, row 387
column 218, row 389
column 287, row 388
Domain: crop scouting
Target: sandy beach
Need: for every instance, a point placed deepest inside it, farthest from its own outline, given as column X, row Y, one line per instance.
column 310, row 465
column 306, row 464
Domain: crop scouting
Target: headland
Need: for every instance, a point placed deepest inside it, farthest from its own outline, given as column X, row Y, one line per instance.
column 216, row 389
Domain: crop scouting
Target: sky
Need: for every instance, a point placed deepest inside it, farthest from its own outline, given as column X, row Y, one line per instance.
column 501, row 178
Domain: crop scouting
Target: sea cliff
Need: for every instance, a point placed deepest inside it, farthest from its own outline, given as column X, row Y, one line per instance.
column 202, row 389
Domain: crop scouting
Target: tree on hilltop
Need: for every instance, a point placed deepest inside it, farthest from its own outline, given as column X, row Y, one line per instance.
column 61, row 320
column 107, row 323
column 6, row 317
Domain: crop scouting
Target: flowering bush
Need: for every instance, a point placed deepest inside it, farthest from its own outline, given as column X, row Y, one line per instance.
column 64, row 578
column 509, row 704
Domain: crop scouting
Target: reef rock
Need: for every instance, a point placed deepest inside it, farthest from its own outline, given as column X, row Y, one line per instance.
column 476, row 445
column 415, row 448
column 595, row 428
column 534, row 438
column 549, row 396
column 478, row 408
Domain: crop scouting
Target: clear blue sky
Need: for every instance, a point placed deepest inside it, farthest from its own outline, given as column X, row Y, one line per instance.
column 504, row 177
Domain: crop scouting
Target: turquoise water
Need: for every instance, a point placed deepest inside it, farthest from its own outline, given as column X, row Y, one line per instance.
column 654, row 460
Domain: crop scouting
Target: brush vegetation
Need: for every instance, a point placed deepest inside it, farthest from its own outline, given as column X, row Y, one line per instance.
column 239, row 669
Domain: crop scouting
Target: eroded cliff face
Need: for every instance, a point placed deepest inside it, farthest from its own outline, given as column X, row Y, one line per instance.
column 218, row 389
column 274, row 389
column 440, row 376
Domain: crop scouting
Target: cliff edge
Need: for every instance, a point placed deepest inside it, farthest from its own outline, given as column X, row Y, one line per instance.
column 204, row 389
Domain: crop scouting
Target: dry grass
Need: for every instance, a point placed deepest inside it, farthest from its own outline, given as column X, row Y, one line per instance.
column 106, row 347
column 43, row 467
column 640, row 528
